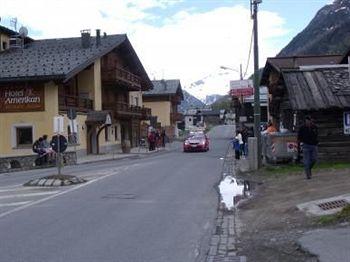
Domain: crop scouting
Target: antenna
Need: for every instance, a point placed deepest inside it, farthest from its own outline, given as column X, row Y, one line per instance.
column 23, row 32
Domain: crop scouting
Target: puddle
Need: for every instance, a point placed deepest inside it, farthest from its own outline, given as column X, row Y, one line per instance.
column 234, row 190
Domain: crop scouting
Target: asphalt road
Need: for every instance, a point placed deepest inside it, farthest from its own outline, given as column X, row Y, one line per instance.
column 158, row 208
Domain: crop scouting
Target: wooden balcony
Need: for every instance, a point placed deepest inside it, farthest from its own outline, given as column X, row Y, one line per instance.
column 79, row 103
column 121, row 76
column 146, row 113
column 124, row 109
column 175, row 117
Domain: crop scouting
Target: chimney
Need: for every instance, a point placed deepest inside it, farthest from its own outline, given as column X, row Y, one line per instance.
column 85, row 38
column 104, row 34
column 98, row 37
column 163, row 83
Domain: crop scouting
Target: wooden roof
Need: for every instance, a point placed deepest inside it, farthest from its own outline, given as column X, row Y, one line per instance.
column 63, row 58
column 292, row 62
column 315, row 88
column 170, row 87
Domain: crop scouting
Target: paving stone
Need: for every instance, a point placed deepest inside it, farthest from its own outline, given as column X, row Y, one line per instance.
column 231, row 247
column 232, row 254
column 210, row 259
column 213, row 250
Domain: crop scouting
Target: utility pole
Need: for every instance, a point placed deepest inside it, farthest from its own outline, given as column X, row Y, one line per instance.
column 240, row 72
column 254, row 13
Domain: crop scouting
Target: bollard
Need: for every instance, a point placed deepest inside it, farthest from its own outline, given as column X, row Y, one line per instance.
column 253, row 153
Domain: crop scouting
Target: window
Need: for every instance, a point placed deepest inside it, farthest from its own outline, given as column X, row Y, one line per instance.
column 107, row 130
column 136, row 101
column 24, row 136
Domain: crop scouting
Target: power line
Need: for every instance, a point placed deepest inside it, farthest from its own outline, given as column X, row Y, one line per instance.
column 249, row 54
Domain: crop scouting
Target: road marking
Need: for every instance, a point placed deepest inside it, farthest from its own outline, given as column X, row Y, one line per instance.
column 11, row 186
column 24, row 189
column 54, row 196
column 14, row 204
column 29, row 194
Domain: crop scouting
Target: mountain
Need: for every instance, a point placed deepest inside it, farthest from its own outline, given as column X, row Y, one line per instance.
column 327, row 33
column 210, row 99
column 189, row 102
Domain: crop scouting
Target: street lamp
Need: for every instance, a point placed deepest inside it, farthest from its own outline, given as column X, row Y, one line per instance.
column 235, row 70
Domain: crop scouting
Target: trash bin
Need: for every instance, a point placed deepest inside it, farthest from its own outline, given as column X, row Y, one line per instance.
column 280, row 147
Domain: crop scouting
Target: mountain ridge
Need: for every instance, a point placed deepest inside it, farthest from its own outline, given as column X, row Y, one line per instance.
column 327, row 33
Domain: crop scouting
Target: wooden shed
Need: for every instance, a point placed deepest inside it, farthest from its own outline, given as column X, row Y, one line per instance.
column 323, row 92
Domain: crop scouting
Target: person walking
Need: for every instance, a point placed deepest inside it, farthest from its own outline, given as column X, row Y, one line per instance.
column 245, row 134
column 240, row 141
column 163, row 137
column 308, row 136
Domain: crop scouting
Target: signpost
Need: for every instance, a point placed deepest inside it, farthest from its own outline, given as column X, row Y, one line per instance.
column 346, row 121
column 56, row 144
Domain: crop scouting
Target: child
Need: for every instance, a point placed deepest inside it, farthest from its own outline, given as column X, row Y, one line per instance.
column 236, row 147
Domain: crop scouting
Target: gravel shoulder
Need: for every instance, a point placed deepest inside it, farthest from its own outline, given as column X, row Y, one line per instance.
column 271, row 224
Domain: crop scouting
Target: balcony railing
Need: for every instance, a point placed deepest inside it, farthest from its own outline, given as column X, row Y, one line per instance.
column 121, row 75
column 146, row 113
column 79, row 103
column 123, row 109
column 175, row 117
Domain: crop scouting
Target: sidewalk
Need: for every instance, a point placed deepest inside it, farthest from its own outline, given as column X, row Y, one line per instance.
column 118, row 155
column 329, row 245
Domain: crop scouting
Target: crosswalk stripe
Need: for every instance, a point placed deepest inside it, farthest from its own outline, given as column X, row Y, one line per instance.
column 29, row 194
column 14, row 204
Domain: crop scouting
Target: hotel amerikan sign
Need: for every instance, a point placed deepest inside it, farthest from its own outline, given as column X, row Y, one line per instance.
column 22, row 99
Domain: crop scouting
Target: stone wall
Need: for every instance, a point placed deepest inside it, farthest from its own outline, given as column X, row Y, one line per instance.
column 20, row 163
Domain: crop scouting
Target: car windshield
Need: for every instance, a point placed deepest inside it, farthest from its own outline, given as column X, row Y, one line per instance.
column 197, row 137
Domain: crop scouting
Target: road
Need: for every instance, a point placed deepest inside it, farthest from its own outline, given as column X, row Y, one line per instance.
column 159, row 208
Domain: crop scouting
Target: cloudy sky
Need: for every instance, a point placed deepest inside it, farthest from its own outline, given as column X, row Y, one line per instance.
column 185, row 39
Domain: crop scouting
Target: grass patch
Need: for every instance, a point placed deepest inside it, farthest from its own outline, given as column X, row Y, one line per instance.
column 297, row 168
column 283, row 169
column 342, row 216
column 332, row 165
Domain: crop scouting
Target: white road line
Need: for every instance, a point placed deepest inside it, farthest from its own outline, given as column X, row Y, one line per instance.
column 11, row 186
column 25, row 189
column 54, row 196
column 14, row 204
column 29, row 194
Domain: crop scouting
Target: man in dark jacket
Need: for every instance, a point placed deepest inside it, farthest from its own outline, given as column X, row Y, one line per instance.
column 307, row 135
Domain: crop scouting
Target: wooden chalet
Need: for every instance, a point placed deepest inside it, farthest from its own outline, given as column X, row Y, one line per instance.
column 164, row 99
column 311, row 85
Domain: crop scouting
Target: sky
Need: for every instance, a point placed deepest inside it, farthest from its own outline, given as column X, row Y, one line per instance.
column 175, row 39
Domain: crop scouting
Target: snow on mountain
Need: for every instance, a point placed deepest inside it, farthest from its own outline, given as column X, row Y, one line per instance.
column 210, row 99
column 214, row 84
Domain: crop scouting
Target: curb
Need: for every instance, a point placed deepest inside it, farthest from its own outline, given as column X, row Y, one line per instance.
column 129, row 156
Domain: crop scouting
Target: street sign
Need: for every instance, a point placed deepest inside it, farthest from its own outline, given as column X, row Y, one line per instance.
column 346, row 123
column 58, row 124
column 108, row 119
column 71, row 113
column 241, row 88
column 59, row 144
column 242, row 92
